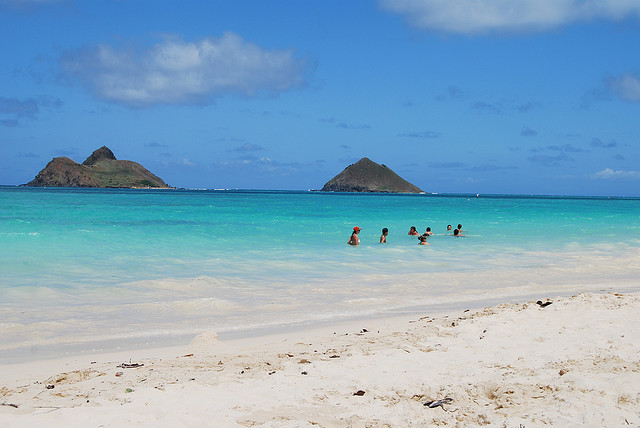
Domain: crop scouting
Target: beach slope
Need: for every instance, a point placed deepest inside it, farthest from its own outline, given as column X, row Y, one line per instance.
column 572, row 362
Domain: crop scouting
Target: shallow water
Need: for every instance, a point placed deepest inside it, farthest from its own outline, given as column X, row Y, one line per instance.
column 95, row 269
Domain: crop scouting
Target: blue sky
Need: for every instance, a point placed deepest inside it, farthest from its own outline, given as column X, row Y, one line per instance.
column 488, row 96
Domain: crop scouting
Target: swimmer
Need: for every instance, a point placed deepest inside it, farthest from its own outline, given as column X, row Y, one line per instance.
column 457, row 233
column 354, row 240
column 413, row 231
column 448, row 228
column 428, row 232
column 423, row 240
column 383, row 238
column 459, row 227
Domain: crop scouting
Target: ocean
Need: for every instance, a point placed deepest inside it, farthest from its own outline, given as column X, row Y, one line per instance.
column 92, row 270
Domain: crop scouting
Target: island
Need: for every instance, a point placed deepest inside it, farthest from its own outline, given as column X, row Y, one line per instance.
column 101, row 169
column 368, row 176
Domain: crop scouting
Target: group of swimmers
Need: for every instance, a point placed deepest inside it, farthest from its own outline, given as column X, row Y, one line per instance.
column 422, row 239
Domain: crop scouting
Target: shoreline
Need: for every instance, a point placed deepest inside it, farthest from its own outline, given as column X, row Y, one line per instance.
column 434, row 194
column 571, row 362
column 144, row 345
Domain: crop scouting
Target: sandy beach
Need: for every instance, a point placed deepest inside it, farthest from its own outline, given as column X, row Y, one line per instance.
column 573, row 362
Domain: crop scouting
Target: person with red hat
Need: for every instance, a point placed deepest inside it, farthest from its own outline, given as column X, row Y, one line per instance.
column 354, row 240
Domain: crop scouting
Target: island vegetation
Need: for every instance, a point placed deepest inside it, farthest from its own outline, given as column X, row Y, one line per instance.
column 101, row 169
column 368, row 176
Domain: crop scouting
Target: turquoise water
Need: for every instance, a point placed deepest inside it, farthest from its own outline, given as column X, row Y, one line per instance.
column 86, row 269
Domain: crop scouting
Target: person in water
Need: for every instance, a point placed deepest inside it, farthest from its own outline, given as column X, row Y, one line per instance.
column 423, row 240
column 428, row 232
column 354, row 240
column 383, row 238
column 448, row 228
column 459, row 227
column 457, row 233
column 413, row 231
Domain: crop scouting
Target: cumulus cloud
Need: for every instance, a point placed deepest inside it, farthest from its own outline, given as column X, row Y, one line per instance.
column 452, row 92
column 177, row 162
column 423, row 134
column 484, row 16
column 566, row 148
column 248, row 147
column 625, row 86
column 17, row 109
column 528, row 106
column 572, row 149
column 487, row 107
column 344, row 124
column 154, row 144
column 608, row 174
column 597, row 142
column 265, row 165
column 179, row 72
column 9, row 123
column 547, row 160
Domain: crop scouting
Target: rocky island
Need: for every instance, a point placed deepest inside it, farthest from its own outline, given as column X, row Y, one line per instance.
column 101, row 169
column 368, row 176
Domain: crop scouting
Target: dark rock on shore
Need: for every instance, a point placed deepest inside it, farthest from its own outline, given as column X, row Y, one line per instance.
column 368, row 176
column 101, row 169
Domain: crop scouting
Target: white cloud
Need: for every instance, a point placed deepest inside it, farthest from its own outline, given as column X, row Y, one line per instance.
column 424, row 134
column 178, row 72
column 482, row 16
column 265, row 165
column 248, row 147
column 608, row 173
column 30, row 108
column 626, row 86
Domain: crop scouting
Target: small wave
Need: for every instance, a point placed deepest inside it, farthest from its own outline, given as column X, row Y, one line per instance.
column 36, row 234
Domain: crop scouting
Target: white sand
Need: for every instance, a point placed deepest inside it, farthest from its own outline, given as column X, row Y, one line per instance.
column 575, row 362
